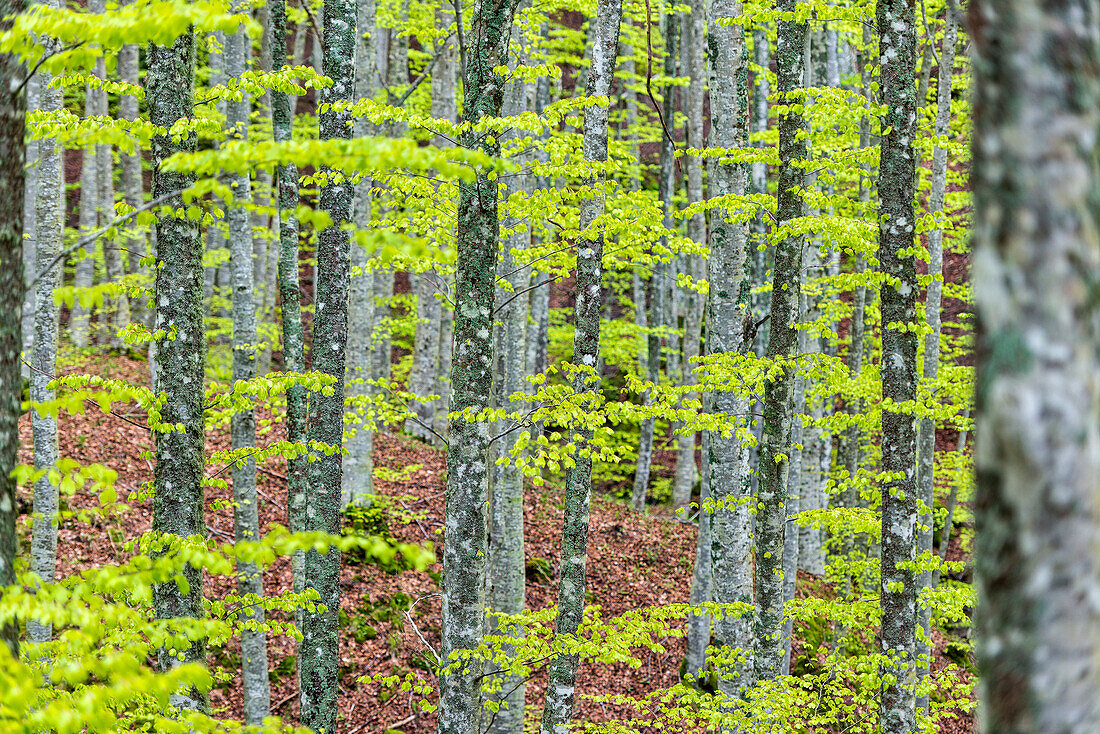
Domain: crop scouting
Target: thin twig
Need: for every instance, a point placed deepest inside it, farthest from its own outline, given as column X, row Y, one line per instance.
column 43, row 60
column 649, row 78
column 89, row 239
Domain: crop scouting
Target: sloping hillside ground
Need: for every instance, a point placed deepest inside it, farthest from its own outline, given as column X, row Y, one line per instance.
column 634, row 562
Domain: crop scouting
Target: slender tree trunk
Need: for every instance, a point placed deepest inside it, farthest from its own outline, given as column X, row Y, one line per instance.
column 117, row 311
column 1037, row 82
column 319, row 650
column 84, row 270
column 926, row 442
column 897, row 49
column 218, row 277
column 465, row 547
column 13, row 113
column 49, row 229
column 444, row 107
column 775, row 445
column 181, row 362
column 953, row 498
column 425, row 353
column 694, row 33
column 246, row 523
column 659, row 290
column 729, row 324
column 561, row 687
column 507, row 571
column 358, row 478
column 132, row 185
column 425, row 375
column 30, row 233
column 290, row 296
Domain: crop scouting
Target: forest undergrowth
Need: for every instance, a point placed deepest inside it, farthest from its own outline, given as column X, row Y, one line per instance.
column 390, row 621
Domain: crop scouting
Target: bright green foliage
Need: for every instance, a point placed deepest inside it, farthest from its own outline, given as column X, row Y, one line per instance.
column 104, row 617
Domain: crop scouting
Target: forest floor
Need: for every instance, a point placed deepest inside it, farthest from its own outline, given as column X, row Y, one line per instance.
column 634, row 562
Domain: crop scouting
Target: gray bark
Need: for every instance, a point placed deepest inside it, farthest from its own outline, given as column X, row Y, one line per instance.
column 84, row 270
column 178, row 503
column 13, row 113
column 561, row 686
column 465, row 547
column 506, row 570
column 898, row 299
column 775, row 444
column 729, row 323
column 694, row 35
column 444, row 107
column 30, row 234
column 290, row 296
column 422, row 378
column 358, row 478
column 132, row 183
column 319, row 650
column 926, row 442
column 1037, row 85
column 246, row 524
column 49, row 229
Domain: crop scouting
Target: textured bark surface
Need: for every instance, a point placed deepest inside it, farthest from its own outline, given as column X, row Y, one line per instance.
column 290, row 297
column 561, row 687
column 131, row 176
column 775, row 444
column 88, row 221
column 694, row 39
column 506, row 571
column 12, row 285
column 465, row 547
column 30, row 235
column 728, row 320
column 898, row 297
column 358, row 478
column 318, row 651
column 178, row 504
column 43, row 359
column 926, row 441
column 1037, row 250
column 246, row 524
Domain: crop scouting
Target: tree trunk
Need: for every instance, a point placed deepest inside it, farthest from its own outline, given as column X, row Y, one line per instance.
column 13, row 114
column 179, row 503
column 246, row 523
column 926, row 442
column 30, row 234
column 465, row 547
column 1037, row 83
column 561, row 687
column 729, row 323
column 319, row 649
column 775, row 445
column 290, row 295
column 49, row 230
column 133, row 192
column 897, row 50
column 507, row 572
column 694, row 33
column 358, row 478
column 84, row 270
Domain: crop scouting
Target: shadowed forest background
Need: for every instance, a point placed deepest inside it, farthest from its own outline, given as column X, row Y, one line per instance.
column 493, row 366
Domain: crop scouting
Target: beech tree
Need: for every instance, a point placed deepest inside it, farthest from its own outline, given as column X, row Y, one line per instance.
column 12, row 126
column 1036, row 245
column 319, row 650
column 476, row 240
column 181, row 361
column 897, row 56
